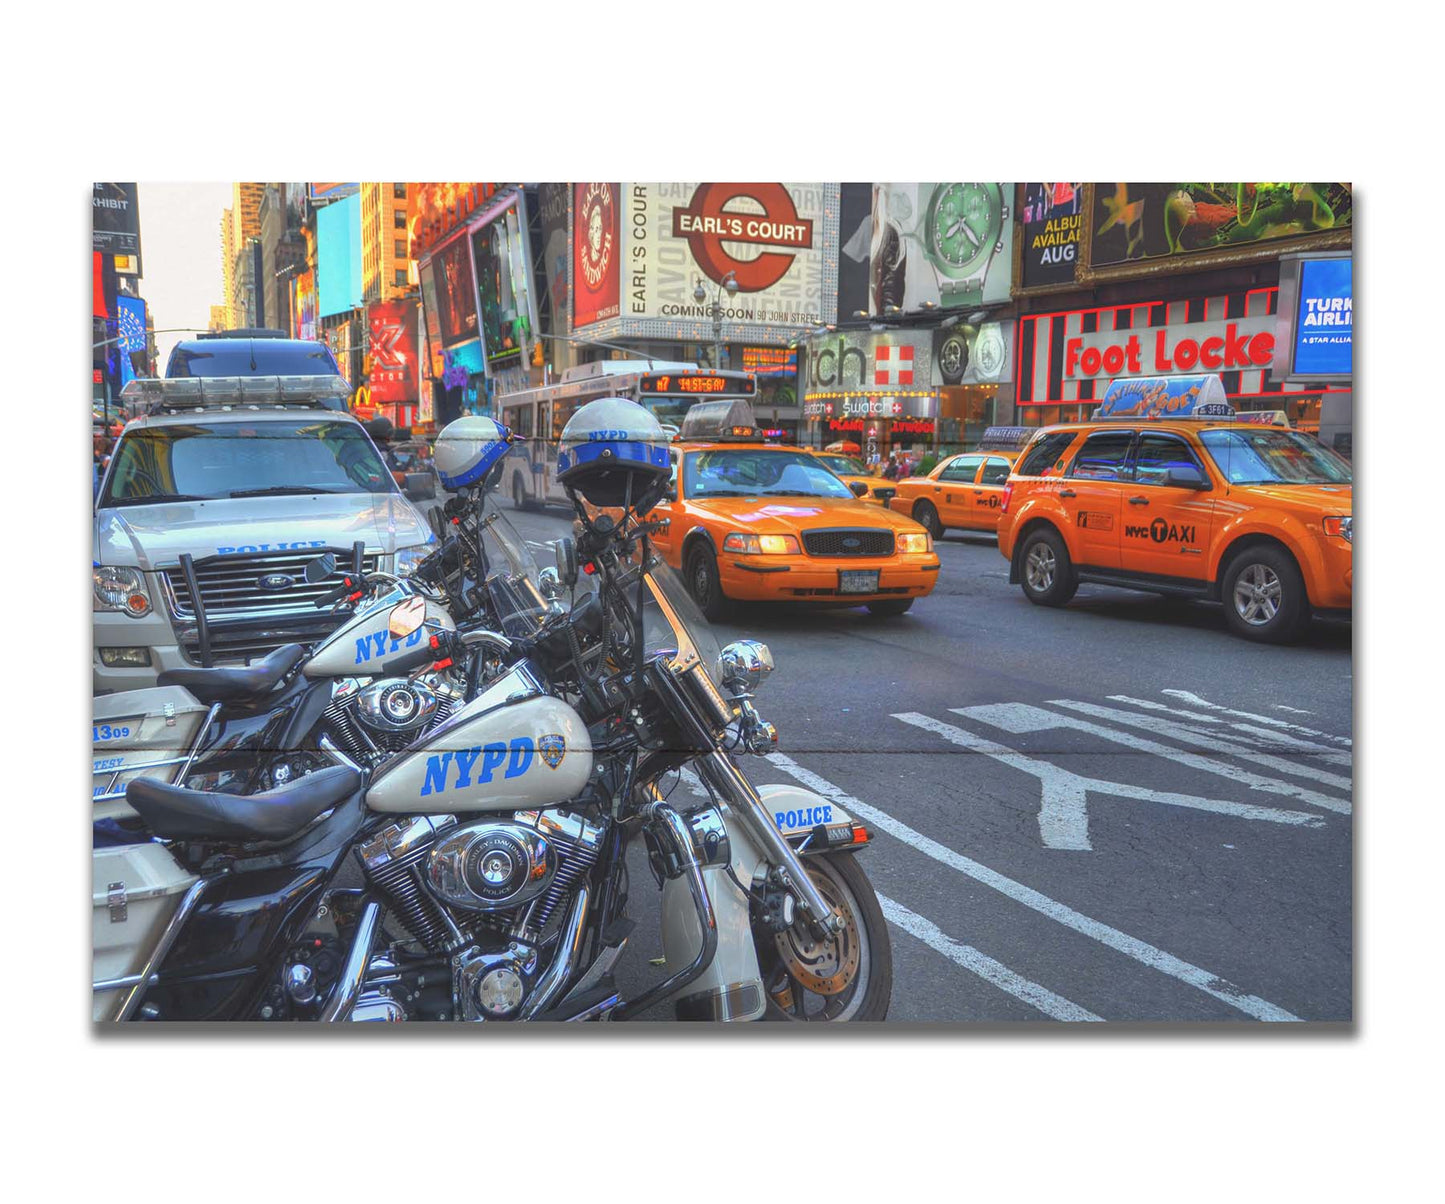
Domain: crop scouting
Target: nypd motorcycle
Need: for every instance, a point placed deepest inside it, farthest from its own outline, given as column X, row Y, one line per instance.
column 492, row 852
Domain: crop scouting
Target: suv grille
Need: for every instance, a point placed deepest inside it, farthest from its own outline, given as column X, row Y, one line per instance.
column 230, row 587
column 849, row 541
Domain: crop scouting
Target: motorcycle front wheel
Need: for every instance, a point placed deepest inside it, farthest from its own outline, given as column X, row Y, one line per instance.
column 846, row 978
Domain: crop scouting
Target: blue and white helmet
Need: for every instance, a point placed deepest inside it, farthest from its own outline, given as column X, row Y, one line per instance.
column 614, row 453
column 469, row 448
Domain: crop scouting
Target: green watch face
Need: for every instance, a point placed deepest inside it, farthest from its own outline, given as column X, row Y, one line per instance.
column 964, row 222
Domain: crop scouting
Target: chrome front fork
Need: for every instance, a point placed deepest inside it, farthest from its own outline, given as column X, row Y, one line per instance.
column 718, row 771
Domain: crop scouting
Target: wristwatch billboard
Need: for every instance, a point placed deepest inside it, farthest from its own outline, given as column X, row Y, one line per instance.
column 961, row 231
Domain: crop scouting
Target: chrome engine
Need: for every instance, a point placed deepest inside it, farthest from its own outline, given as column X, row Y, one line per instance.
column 372, row 720
column 483, row 896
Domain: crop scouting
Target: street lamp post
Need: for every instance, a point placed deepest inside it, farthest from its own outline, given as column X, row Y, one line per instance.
column 699, row 294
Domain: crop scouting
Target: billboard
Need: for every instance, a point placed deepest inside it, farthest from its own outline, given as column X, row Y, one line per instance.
column 596, row 274
column 904, row 366
column 115, row 222
column 1315, row 322
column 451, row 270
column 338, row 256
column 393, row 349
column 552, row 201
column 131, row 313
column 505, row 294
column 1136, row 222
column 1053, row 220
column 327, row 192
column 435, row 365
column 940, row 245
column 303, row 305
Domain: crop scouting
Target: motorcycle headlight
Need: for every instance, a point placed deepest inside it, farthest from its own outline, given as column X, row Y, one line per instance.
column 408, row 558
column 120, row 589
column 914, row 541
column 745, row 665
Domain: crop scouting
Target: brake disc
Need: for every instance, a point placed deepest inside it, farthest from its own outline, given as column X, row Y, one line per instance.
column 825, row 967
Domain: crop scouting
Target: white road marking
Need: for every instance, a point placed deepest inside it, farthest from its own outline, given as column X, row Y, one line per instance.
column 1121, row 942
column 995, row 972
column 1219, row 744
column 1323, row 753
column 1063, row 813
column 1267, row 720
column 1279, row 706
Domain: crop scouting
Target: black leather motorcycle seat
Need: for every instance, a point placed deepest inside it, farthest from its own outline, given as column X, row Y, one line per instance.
column 241, row 681
column 176, row 813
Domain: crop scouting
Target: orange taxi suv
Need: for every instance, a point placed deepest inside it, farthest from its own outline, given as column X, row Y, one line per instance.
column 755, row 521
column 963, row 491
column 1166, row 489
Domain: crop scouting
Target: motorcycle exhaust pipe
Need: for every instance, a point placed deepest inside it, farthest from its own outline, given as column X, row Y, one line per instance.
column 670, row 825
column 348, row 983
column 724, row 777
column 565, row 961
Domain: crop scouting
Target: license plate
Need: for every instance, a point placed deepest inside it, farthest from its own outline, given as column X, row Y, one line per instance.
column 858, row 581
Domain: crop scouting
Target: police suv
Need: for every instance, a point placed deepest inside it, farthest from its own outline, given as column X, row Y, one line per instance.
column 221, row 490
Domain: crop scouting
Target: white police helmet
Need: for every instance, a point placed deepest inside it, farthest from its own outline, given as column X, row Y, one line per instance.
column 614, row 453
column 469, row 448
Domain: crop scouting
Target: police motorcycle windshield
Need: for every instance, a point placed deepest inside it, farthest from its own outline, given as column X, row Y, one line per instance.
column 672, row 625
column 513, row 578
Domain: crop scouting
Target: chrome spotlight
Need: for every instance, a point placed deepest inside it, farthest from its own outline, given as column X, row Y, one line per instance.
column 745, row 663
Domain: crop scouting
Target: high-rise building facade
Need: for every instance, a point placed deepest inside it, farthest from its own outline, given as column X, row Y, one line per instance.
column 385, row 251
column 228, row 267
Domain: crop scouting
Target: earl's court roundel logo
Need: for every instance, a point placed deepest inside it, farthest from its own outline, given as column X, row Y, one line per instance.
column 595, row 225
column 708, row 225
column 552, row 749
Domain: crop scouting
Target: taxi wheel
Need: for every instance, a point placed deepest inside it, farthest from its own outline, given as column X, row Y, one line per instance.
column 705, row 587
column 890, row 607
column 926, row 517
column 1264, row 595
column 1048, row 576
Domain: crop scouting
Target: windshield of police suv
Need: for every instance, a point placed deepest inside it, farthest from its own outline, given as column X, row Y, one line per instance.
column 758, row 472
column 252, row 357
column 1274, row 457
column 205, row 461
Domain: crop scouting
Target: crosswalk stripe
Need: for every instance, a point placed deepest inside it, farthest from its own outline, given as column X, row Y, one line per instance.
column 1132, row 947
column 1267, row 720
column 1220, row 744
column 995, row 972
column 1324, row 754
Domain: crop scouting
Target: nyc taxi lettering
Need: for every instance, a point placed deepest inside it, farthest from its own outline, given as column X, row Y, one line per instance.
column 1161, row 531
column 247, row 548
column 518, row 759
column 806, row 817
column 104, row 731
column 368, row 646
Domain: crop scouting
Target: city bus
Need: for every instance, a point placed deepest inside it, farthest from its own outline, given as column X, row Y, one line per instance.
column 538, row 416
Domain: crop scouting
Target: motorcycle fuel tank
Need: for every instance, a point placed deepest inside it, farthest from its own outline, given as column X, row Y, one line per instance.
column 366, row 646
column 512, row 748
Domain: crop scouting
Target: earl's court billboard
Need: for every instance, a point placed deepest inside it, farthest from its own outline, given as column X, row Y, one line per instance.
column 640, row 251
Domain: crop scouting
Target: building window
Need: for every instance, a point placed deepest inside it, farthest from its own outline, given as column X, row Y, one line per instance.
column 401, row 248
column 400, row 279
column 399, row 219
column 399, row 191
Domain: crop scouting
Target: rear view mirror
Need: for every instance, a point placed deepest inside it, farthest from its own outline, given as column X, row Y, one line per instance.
column 859, row 488
column 420, row 486
column 320, row 568
column 1185, row 476
column 566, row 561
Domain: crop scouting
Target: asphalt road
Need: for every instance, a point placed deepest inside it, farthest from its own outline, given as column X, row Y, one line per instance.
column 1116, row 810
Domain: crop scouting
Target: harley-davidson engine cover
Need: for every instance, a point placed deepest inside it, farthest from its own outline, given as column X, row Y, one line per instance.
column 396, row 704
column 491, row 866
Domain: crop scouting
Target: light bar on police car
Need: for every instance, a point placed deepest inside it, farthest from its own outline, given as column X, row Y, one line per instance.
column 197, row 392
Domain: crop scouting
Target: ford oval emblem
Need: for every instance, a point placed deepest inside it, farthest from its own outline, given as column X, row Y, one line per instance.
column 275, row 581
column 850, row 542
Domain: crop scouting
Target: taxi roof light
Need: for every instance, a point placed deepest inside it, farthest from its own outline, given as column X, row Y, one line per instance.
column 718, row 420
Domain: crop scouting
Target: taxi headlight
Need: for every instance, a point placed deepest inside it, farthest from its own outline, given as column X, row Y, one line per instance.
column 1341, row 525
column 120, row 589
column 408, row 558
column 915, row 541
column 761, row 545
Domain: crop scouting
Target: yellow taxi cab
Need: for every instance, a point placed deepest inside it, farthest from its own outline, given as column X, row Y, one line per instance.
column 752, row 521
column 853, row 474
column 963, row 491
column 1168, row 490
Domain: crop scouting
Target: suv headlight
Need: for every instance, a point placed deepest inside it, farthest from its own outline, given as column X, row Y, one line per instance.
column 914, row 541
column 1341, row 525
column 120, row 589
column 408, row 558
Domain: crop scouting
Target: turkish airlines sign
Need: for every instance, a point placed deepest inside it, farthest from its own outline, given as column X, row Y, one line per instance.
column 1238, row 344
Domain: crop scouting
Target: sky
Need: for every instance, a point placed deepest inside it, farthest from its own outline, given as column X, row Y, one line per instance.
column 180, row 231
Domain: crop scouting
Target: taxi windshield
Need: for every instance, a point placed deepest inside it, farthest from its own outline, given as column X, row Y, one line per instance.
column 843, row 466
column 758, row 472
column 1274, row 457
